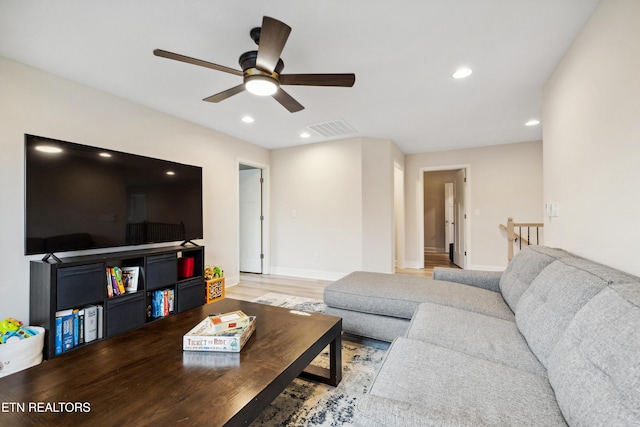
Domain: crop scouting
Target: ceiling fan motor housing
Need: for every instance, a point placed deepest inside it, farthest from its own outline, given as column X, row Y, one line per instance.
column 248, row 60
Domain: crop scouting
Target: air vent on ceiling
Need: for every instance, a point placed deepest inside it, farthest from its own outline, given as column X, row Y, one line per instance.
column 332, row 129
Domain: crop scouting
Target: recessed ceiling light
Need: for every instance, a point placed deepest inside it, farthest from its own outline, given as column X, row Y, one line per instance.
column 171, row 173
column 305, row 135
column 48, row 149
column 532, row 122
column 461, row 73
column 104, row 155
column 247, row 119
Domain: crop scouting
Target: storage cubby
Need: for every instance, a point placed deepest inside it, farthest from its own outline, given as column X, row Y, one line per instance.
column 76, row 283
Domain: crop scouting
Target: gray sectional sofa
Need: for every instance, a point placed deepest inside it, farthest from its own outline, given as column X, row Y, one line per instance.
column 552, row 340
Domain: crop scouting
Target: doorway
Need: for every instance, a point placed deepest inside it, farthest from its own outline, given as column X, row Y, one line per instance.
column 443, row 216
column 251, row 224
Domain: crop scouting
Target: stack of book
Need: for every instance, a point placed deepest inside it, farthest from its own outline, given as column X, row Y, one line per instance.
column 77, row 326
column 162, row 303
column 221, row 332
column 122, row 280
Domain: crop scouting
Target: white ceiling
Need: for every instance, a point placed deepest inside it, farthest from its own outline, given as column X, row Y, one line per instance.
column 402, row 52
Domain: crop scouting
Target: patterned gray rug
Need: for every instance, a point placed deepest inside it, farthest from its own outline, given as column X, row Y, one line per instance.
column 306, row 403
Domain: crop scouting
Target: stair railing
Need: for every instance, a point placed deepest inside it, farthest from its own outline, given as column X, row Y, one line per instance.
column 513, row 237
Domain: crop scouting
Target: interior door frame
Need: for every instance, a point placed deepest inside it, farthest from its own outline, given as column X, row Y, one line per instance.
column 265, row 213
column 420, row 209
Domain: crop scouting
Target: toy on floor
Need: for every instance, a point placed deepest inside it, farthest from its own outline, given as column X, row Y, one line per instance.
column 13, row 330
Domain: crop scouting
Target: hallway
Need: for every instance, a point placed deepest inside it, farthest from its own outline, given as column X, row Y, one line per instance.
column 431, row 260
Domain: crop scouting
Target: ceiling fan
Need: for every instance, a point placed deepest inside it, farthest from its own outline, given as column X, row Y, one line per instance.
column 261, row 69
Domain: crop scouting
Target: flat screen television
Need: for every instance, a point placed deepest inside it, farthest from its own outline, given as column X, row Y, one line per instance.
column 80, row 197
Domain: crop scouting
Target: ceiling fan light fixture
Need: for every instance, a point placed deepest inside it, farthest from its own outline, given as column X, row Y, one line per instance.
column 260, row 85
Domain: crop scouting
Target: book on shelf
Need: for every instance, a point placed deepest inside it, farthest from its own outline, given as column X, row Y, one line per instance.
column 117, row 275
column 58, row 348
column 90, row 323
column 74, row 327
column 204, row 337
column 66, row 329
column 110, row 293
column 100, row 321
column 162, row 303
column 115, row 284
column 130, row 278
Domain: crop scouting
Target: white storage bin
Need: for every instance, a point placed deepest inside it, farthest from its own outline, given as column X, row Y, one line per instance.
column 18, row 355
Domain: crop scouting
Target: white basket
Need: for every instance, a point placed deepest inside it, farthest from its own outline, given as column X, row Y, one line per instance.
column 18, row 355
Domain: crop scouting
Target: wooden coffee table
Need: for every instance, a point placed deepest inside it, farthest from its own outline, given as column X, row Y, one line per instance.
column 143, row 377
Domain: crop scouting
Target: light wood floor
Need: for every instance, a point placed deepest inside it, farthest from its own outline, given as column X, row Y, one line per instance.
column 252, row 286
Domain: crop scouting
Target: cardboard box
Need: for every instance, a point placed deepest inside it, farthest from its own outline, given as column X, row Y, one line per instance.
column 232, row 320
column 203, row 337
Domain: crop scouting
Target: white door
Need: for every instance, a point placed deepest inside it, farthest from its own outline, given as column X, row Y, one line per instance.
column 251, row 220
column 459, row 249
column 449, row 219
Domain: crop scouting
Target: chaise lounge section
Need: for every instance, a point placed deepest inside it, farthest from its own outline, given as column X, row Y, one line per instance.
column 380, row 306
column 551, row 341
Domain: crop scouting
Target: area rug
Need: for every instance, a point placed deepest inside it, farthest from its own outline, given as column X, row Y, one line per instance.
column 292, row 302
column 307, row 403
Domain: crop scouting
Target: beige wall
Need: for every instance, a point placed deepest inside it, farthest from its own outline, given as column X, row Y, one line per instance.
column 332, row 208
column 503, row 181
column 39, row 103
column 591, row 117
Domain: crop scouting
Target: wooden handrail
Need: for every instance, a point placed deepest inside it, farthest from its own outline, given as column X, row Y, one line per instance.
column 512, row 235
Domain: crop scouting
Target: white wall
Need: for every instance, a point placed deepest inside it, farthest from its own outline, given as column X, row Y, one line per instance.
column 503, row 181
column 591, row 117
column 39, row 103
column 332, row 208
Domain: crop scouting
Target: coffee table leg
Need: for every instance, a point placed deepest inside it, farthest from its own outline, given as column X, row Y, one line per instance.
column 333, row 375
column 335, row 361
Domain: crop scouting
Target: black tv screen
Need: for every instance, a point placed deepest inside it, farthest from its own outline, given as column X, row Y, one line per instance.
column 80, row 197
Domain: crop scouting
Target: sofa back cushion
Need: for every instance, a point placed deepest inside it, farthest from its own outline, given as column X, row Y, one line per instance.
column 594, row 370
column 556, row 295
column 525, row 267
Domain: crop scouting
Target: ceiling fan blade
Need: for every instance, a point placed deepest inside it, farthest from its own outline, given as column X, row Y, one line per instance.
column 287, row 101
column 273, row 36
column 189, row 60
column 343, row 80
column 225, row 94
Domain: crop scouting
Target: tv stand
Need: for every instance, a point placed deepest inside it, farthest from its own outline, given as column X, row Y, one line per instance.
column 79, row 284
column 51, row 255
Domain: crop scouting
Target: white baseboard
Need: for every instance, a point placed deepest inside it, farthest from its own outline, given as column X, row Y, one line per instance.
column 413, row 264
column 307, row 274
column 231, row 280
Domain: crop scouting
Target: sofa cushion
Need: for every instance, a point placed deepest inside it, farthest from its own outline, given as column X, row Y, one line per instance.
column 555, row 296
column 474, row 334
column 594, row 369
column 399, row 295
column 524, row 268
column 481, row 279
column 424, row 384
column 383, row 328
